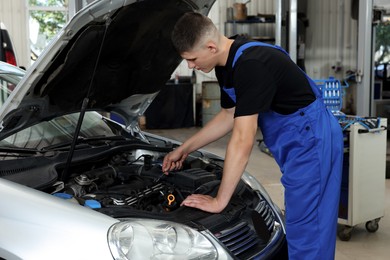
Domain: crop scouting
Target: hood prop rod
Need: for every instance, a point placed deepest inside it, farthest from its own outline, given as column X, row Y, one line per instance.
column 84, row 106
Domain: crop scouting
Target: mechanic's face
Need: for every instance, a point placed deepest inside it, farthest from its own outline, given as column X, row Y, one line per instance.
column 202, row 58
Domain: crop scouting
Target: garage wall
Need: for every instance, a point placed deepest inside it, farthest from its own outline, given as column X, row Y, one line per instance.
column 331, row 39
column 13, row 15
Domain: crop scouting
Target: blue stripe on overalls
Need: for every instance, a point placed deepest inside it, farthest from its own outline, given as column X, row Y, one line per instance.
column 308, row 147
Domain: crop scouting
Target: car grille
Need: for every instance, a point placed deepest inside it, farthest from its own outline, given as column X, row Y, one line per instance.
column 242, row 239
column 266, row 213
column 239, row 238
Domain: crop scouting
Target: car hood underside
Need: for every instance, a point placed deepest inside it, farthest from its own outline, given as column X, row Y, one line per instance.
column 101, row 58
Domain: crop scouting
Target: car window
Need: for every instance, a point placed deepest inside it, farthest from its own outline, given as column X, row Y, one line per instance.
column 9, row 78
column 8, row 82
column 58, row 130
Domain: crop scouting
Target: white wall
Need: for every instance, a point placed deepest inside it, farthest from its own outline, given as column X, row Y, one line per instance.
column 13, row 15
column 331, row 38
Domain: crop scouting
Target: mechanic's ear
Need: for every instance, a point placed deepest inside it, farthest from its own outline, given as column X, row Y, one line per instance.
column 212, row 47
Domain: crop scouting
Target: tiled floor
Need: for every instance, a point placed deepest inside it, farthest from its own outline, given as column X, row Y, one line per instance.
column 362, row 245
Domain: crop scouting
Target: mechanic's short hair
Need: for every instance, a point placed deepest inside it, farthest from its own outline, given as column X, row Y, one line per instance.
column 191, row 30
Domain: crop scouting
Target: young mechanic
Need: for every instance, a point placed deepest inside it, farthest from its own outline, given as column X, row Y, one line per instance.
column 261, row 86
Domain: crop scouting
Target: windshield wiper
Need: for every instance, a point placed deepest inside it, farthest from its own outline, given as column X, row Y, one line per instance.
column 19, row 150
column 82, row 140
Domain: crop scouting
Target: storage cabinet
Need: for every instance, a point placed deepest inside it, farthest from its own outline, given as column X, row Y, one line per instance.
column 362, row 197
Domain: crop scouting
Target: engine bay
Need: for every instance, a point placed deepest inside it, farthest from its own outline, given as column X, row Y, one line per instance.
column 124, row 179
column 133, row 180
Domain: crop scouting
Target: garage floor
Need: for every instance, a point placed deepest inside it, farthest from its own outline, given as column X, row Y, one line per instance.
column 363, row 245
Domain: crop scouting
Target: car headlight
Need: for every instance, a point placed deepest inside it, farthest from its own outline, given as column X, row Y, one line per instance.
column 152, row 239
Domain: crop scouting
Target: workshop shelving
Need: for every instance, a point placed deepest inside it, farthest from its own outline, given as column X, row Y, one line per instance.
column 260, row 28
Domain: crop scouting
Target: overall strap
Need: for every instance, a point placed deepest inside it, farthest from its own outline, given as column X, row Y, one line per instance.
column 247, row 45
column 230, row 91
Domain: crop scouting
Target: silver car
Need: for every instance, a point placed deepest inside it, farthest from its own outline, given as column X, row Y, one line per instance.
column 75, row 184
column 9, row 78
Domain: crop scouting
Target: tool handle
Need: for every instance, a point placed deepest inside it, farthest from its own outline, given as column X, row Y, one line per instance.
column 373, row 130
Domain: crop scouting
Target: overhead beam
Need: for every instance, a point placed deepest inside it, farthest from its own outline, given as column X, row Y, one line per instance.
column 293, row 29
column 365, row 62
column 278, row 22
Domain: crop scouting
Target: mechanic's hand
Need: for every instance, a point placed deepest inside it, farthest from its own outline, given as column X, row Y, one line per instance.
column 174, row 160
column 203, row 202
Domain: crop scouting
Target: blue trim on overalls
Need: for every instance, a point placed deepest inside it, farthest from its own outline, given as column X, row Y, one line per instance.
column 308, row 147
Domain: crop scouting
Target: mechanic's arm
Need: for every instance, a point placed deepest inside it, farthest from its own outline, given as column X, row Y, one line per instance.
column 219, row 126
column 237, row 156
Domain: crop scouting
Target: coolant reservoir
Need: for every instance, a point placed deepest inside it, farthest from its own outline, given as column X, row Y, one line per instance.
column 67, row 197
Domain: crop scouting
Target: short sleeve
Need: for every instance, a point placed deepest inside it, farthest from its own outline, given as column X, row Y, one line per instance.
column 226, row 101
column 255, row 87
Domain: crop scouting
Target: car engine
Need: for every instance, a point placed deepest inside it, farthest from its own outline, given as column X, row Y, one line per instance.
column 134, row 180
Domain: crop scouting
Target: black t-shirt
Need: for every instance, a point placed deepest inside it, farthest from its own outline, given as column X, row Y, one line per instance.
column 264, row 78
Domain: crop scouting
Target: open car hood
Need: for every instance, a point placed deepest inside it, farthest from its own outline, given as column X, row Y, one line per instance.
column 108, row 57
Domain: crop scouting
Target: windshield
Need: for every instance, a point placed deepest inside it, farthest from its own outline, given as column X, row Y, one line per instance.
column 58, row 130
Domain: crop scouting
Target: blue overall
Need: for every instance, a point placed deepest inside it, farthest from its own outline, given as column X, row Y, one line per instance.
column 308, row 147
